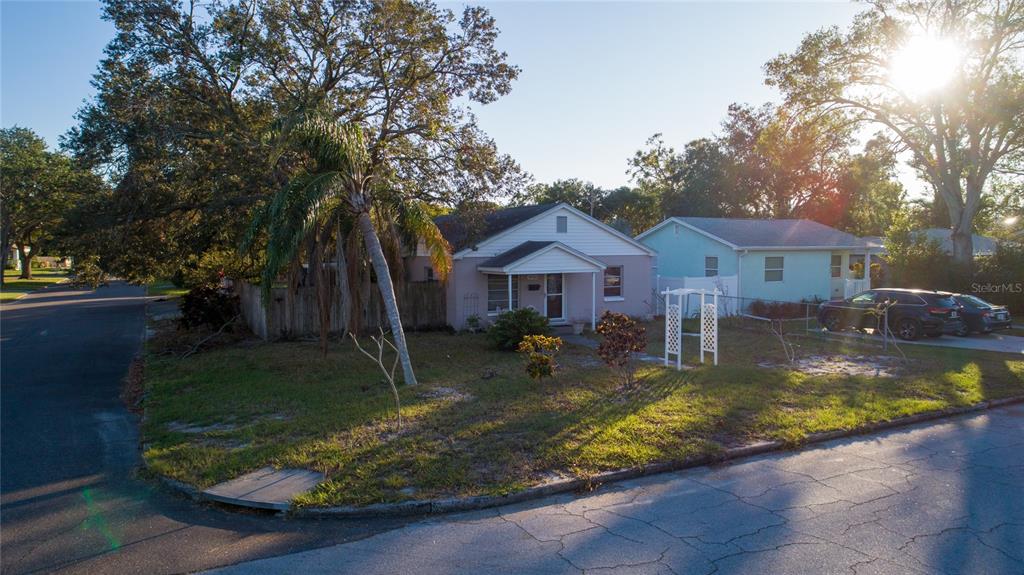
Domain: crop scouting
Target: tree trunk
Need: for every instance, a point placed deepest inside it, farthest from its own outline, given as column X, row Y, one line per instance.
column 25, row 256
column 5, row 250
column 387, row 292
column 344, row 294
column 963, row 244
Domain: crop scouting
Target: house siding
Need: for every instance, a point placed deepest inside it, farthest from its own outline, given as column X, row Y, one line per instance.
column 805, row 275
column 681, row 252
column 467, row 290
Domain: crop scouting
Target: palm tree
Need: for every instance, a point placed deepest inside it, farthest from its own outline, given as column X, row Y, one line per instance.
column 340, row 198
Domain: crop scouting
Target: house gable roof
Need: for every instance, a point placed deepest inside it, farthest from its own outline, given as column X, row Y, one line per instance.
column 740, row 233
column 456, row 233
column 525, row 252
column 506, row 220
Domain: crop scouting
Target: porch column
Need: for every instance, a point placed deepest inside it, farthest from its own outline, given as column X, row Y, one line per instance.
column 867, row 267
column 593, row 301
column 509, row 292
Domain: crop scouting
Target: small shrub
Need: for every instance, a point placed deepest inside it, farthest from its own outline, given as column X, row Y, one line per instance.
column 473, row 323
column 207, row 305
column 540, row 351
column 622, row 338
column 512, row 326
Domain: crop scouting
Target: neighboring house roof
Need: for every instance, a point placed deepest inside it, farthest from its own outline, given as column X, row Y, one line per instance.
column 983, row 245
column 454, row 229
column 531, row 251
column 505, row 220
column 740, row 233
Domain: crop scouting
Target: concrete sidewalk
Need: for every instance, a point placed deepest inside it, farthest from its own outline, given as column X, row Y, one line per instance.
column 935, row 498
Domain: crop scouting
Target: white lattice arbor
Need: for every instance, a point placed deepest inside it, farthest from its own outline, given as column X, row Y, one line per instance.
column 675, row 303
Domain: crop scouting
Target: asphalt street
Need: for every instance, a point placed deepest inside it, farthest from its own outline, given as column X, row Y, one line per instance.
column 941, row 498
column 70, row 500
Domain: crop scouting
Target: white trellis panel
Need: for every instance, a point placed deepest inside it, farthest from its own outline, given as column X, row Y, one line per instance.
column 709, row 330
column 673, row 331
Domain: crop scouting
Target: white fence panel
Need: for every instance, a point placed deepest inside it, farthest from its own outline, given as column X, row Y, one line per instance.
column 727, row 287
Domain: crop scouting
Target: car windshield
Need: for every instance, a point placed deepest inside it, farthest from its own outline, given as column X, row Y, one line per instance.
column 976, row 301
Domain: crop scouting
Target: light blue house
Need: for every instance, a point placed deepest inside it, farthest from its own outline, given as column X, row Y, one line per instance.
column 771, row 260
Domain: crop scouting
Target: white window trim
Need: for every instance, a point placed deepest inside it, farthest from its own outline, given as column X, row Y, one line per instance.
column 515, row 295
column 622, row 290
column 559, row 220
column 716, row 268
column 781, row 270
column 833, row 267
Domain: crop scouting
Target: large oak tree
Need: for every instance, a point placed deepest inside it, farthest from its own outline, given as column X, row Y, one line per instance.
column 959, row 133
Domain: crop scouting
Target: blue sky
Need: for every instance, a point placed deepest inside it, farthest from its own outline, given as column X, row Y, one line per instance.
column 598, row 78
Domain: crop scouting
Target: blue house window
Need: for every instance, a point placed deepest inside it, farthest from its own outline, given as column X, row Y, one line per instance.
column 773, row 268
column 561, row 224
column 710, row 266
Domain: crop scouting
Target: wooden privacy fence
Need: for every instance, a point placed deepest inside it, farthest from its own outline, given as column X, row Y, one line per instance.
column 295, row 313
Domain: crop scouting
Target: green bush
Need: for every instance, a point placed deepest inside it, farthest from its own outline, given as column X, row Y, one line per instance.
column 207, row 305
column 512, row 326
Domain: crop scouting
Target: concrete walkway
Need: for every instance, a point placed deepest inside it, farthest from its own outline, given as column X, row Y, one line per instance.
column 936, row 498
column 980, row 342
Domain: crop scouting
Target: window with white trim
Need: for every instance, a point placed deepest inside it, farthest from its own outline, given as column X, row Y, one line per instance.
column 710, row 266
column 561, row 224
column 773, row 268
column 613, row 281
column 497, row 293
column 837, row 266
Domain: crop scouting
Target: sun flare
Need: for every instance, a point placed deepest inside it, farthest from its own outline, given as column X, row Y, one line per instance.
column 924, row 65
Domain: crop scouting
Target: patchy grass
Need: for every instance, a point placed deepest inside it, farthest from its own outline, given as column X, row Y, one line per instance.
column 164, row 288
column 477, row 425
column 14, row 288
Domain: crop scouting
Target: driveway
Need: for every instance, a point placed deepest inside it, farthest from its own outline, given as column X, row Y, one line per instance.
column 936, row 498
column 987, row 342
column 69, row 451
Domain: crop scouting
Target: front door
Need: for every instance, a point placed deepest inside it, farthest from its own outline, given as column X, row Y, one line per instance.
column 554, row 297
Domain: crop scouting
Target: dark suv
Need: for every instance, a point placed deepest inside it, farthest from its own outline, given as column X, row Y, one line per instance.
column 912, row 312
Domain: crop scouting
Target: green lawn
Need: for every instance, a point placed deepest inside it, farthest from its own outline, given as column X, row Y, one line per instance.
column 164, row 288
column 477, row 425
column 15, row 288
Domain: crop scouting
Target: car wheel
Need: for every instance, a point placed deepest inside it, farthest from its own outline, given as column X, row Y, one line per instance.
column 908, row 329
column 962, row 331
column 832, row 322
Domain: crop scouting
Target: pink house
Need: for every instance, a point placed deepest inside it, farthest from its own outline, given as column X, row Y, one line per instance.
column 553, row 258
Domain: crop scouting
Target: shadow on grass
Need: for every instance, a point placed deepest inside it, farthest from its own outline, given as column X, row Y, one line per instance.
column 499, row 431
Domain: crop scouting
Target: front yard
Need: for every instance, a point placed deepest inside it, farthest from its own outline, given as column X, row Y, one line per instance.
column 477, row 425
column 14, row 288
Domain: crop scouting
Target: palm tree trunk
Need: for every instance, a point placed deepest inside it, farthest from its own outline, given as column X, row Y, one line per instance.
column 341, row 271
column 387, row 292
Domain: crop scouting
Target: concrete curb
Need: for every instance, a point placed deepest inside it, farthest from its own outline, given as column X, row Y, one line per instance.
column 438, row 506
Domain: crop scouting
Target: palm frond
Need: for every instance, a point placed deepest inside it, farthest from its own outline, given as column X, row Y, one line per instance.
column 418, row 226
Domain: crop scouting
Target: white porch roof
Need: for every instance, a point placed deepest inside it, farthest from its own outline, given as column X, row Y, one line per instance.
column 541, row 258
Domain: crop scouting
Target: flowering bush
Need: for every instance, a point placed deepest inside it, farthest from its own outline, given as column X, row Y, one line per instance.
column 540, row 351
column 622, row 338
